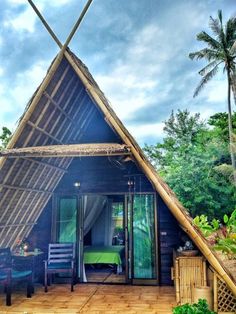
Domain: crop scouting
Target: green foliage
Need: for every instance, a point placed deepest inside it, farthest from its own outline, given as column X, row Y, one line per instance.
column 206, row 228
column 230, row 222
column 227, row 246
column 5, row 137
column 190, row 159
column 224, row 236
column 220, row 123
column 220, row 52
column 197, row 308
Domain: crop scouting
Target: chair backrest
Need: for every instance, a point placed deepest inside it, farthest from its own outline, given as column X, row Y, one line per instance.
column 5, row 258
column 61, row 252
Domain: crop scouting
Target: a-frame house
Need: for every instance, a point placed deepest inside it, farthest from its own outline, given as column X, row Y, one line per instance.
column 69, row 149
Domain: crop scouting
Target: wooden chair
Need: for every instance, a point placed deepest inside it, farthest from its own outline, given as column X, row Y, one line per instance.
column 8, row 275
column 61, row 259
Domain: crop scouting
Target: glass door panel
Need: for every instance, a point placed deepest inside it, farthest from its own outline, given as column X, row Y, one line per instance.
column 67, row 219
column 144, row 247
column 128, row 238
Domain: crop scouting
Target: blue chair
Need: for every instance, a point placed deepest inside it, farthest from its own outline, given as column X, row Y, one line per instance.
column 9, row 275
column 61, row 259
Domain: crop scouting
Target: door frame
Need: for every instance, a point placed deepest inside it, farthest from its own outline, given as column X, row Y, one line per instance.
column 129, row 268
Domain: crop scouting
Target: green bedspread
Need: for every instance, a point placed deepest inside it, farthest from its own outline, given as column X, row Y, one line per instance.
column 103, row 254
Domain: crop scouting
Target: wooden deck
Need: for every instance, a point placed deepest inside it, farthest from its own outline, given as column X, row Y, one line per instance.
column 93, row 299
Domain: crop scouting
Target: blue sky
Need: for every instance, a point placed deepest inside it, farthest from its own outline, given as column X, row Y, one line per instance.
column 137, row 51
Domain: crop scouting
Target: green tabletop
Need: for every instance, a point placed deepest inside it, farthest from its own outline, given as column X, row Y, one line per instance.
column 103, row 254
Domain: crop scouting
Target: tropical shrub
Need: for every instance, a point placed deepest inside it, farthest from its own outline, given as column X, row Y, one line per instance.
column 197, row 308
column 222, row 236
column 206, row 227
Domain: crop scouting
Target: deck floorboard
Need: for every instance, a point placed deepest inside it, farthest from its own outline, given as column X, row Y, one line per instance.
column 93, row 299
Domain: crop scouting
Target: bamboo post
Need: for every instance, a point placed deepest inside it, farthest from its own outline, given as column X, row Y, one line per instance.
column 49, row 29
column 177, row 285
column 45, row 23
column 215, row 292
column 204, row 273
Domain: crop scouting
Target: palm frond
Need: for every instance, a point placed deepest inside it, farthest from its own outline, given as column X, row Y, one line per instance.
column 233, row 49
column 209, row 66
column 230, row 32
column 220, row 16
column 233, row 84
column 203, row 36
column 205, row 80
column 222, row 37
column 215, row 26
column 206, row 53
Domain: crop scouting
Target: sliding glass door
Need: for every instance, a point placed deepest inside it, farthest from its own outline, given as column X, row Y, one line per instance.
column 66, row 219
column 74, row 216
column 142, row 242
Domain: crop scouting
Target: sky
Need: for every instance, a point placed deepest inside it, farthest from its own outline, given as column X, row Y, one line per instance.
column 137, row 51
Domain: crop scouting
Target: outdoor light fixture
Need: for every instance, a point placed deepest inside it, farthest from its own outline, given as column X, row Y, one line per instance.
column 77, row 184
column 130, row 182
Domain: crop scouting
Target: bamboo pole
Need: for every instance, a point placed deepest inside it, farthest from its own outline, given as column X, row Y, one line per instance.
column 45, row 164
column 215, row 292
column 45, row 23
column 58, row 107
column 34, row 126
column 26, row 189
column 17, row 225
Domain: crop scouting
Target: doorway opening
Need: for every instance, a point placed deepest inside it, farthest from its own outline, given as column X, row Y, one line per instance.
column 116, row 236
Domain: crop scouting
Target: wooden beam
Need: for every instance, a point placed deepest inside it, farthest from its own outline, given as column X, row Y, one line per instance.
column 26, row 189
column 18, row 225
column 58, row 107
column 44, row 163
column 73, row 150
column 43, row 131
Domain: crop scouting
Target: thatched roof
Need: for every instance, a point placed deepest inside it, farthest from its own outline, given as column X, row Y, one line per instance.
column 60, row 113
column 72, row 150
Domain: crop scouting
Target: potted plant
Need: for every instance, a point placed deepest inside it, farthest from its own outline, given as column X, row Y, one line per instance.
column 197, row 308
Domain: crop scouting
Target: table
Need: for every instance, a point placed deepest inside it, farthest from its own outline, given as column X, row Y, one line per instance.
column 30, row 260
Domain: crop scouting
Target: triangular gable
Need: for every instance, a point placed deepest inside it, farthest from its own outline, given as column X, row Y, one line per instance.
column 71, row 84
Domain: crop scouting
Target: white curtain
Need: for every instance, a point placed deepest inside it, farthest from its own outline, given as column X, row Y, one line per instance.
column 102, row 228
column 93, row 206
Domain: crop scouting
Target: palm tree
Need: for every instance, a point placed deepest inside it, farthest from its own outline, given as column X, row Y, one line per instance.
column 220, row 51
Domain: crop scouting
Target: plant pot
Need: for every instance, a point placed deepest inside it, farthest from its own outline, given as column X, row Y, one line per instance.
column 203, row 292
column 189, row 253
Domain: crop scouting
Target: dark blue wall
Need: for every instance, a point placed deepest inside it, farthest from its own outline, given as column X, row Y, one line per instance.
column 169, row 239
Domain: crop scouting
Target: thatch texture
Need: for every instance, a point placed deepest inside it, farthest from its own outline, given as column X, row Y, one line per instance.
column 61, row 112
column 73, row 150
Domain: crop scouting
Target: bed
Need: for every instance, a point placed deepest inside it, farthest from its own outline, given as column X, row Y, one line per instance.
column 104, row 255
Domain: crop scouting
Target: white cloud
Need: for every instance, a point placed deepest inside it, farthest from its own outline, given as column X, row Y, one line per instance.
column 18, row 94
column 16, row 2
column 41, row 2
column 22, row 22
column 217, row 91
column 143, row 131
column 30, row 78
column 131, row 82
